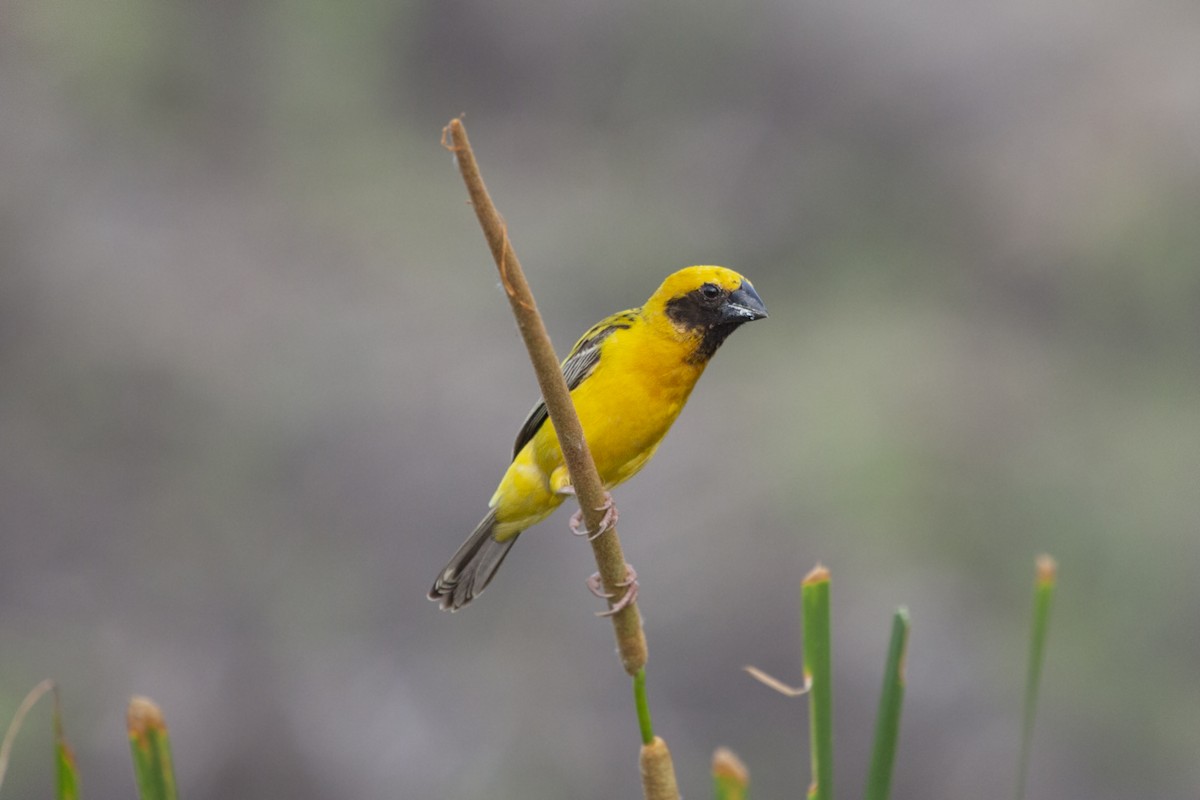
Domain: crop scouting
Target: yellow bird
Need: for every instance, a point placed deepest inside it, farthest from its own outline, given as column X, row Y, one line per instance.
column 630, row 376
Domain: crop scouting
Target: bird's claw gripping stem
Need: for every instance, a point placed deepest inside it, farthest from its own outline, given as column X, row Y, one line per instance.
column 630, row 584
column 606, row 522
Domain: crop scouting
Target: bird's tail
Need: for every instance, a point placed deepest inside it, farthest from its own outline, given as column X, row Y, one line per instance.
column 472, row 567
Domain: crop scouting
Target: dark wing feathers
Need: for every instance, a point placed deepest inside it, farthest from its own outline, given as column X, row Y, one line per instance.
column 578, row 365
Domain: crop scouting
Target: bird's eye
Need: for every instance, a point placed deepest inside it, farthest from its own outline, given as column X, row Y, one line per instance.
column 711, row 291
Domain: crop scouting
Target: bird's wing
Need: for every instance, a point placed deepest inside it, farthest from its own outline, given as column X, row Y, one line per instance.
column 578, row 365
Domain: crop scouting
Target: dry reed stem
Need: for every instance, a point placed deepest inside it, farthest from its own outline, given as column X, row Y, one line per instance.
column 627, row 623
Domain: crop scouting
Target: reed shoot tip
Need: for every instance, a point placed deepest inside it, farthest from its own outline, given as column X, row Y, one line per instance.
column 144, row 716
column 726, row 764
column 1047, row 569
column 819, row 574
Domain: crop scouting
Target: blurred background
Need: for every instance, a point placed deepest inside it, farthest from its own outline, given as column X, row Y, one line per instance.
column 258, row 381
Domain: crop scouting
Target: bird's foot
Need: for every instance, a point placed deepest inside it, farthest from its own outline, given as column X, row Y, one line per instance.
column 630, row 585
column 606, row 522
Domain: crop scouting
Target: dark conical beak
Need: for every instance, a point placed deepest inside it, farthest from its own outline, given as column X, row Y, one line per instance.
column 743, row 305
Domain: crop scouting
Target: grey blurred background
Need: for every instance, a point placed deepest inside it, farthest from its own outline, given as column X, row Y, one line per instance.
column 258, row 381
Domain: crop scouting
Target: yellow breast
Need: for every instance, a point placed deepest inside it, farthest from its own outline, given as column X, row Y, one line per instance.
column 628, row 404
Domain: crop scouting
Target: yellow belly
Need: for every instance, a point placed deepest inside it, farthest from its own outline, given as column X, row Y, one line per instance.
column 626, row 407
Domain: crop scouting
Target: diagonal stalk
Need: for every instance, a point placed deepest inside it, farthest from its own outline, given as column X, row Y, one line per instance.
column 627, row 624
column 658, row 773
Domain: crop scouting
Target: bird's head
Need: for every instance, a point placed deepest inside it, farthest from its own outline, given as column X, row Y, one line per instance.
column 706, row 303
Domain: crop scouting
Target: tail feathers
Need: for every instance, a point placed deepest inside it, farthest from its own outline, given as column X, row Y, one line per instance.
column 472, row 567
